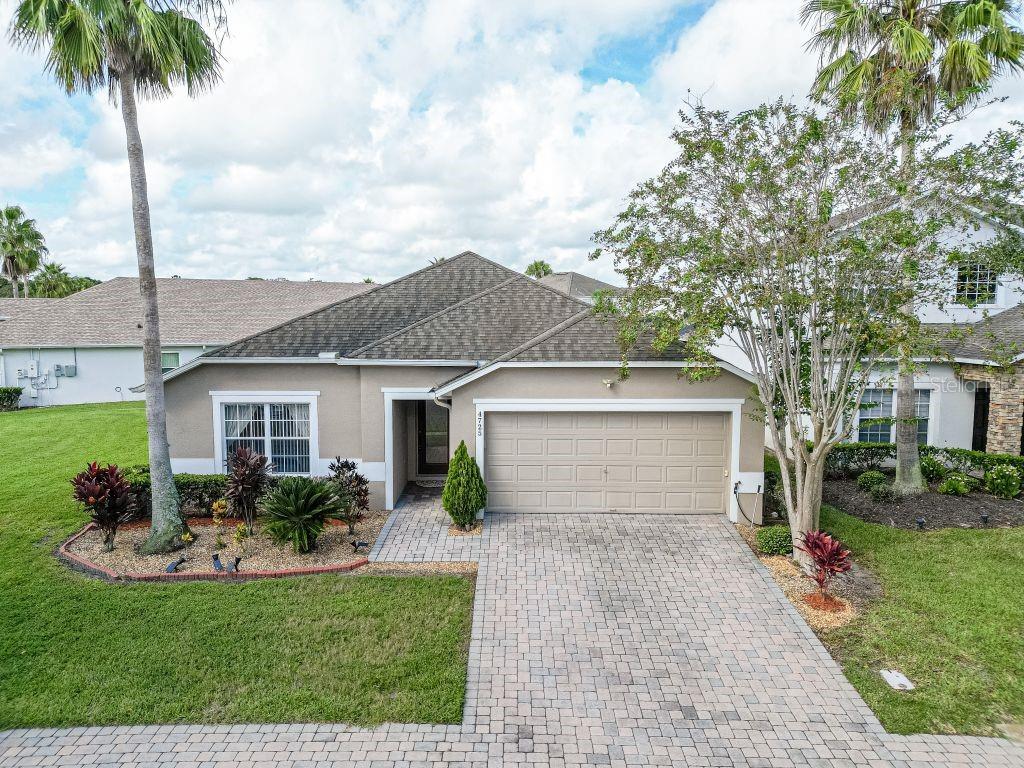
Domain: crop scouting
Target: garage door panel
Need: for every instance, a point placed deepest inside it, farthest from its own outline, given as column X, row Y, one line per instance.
column 620, row 447
column 650, row 447
column 590, row 447
column 619, row 473
column 628, row 462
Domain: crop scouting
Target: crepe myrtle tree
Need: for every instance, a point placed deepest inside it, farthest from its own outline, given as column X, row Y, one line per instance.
column 784, row 231
column 137, row 49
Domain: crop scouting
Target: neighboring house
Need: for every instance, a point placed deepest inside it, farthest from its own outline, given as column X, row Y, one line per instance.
column 468, row 350
column 87, row 347
column 577, row 285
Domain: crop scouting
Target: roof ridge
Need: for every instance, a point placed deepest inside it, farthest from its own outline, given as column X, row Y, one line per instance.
column 538, row 339
column 428, row 318
column 441, row 263
column 545, row 335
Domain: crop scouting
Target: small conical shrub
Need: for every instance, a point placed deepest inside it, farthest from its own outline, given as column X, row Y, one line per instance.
column 464, row 491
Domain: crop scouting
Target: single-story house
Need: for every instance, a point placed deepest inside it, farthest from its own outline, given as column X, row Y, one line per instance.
column 87, row 347
column 468, row 350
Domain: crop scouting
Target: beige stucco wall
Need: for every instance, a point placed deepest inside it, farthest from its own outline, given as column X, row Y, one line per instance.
column 588, row 383
column 351, row 405
column 190, row 406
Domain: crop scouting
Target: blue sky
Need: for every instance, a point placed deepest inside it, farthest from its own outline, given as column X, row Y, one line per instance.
column 385, row 134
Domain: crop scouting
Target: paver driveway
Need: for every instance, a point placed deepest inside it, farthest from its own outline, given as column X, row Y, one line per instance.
column 597, row 640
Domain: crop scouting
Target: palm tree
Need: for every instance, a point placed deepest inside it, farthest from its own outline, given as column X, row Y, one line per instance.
column 891, row 64
column 22, row 247
column 139, row 48
column 53, row 282
column 539, row 269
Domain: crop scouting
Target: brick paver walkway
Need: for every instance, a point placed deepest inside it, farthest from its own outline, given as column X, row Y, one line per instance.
column 597, row 640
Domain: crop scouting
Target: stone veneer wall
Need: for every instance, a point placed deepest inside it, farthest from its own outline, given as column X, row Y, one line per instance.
column 1006, row 404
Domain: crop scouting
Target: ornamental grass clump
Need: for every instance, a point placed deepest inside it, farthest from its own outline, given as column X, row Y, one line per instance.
column 1003, row 481
column 829, row 557
column 105, row 494
column 464, row 492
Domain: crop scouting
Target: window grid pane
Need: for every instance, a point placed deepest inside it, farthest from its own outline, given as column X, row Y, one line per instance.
column 289, row 431
column 244, row 427
column 169, row 361
column 881, row 407
column 922, row 403
column 975, row 284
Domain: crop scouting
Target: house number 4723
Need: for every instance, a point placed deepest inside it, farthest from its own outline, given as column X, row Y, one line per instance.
column 479, row 423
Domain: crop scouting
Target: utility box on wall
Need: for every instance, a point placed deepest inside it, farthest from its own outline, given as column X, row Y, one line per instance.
column 71, row 371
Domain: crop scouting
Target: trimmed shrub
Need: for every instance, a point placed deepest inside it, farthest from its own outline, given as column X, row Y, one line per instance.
column 296, row 511
column 1003, row 481
column 851, row 459
column 9, row 397
column 104, row 493
column 883, row 493
column 197, row 492
column 464, row 492
column 955, row 484
column 248, row 478
column 829, row 556
column 775, row 540
column 932, row 469
column 868, row 480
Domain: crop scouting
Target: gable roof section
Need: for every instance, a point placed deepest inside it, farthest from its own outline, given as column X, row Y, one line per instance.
column 357, row 322
column 480, row 327
column 577, row 285
column 587, row 337
column 192, row 312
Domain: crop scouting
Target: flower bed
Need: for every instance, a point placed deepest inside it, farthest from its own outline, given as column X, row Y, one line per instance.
column 261, row 557
column 938, row 510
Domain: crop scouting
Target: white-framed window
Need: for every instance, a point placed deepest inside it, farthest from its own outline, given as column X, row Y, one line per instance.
column 281, row 426
column 169, row 361
column 976, row 284
column 878, row 404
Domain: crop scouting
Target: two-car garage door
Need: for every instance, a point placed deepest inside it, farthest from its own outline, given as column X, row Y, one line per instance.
column 610, row 461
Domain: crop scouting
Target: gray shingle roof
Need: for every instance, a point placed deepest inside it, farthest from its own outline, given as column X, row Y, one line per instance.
column 586, row 337
column 354, row 323
column 577, row 285
column 191, row 311
column 998, row 338
column 481, row 327
column 11, row 308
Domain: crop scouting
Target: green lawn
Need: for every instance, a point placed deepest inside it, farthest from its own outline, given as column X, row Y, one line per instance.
column 952, row 620
column 356, row 649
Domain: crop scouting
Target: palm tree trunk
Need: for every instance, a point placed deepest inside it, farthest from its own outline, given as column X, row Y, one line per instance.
column 167, row 525
column 909, row 478
column 24, row 283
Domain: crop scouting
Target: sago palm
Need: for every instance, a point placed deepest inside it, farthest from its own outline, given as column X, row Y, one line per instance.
column 891, row 64
column 22, row 247
column 136, row 48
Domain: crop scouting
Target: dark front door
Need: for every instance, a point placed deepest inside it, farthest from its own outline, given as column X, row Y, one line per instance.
column 432, row 438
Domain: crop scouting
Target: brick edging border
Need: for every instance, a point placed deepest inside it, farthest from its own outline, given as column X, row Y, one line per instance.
column 83, row 564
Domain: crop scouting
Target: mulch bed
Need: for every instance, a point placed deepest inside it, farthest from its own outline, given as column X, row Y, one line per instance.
column 260, row 555
column 938, row 510
column 854, row 590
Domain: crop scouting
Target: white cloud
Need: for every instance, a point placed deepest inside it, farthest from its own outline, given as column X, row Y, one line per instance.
column 361, row 141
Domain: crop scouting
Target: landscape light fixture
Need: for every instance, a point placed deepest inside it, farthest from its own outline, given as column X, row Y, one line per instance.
column 984, row 518
column 920, row 523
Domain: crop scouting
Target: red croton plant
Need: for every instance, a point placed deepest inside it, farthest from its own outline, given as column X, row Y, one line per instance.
column 105, row 494
column 829, row 556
